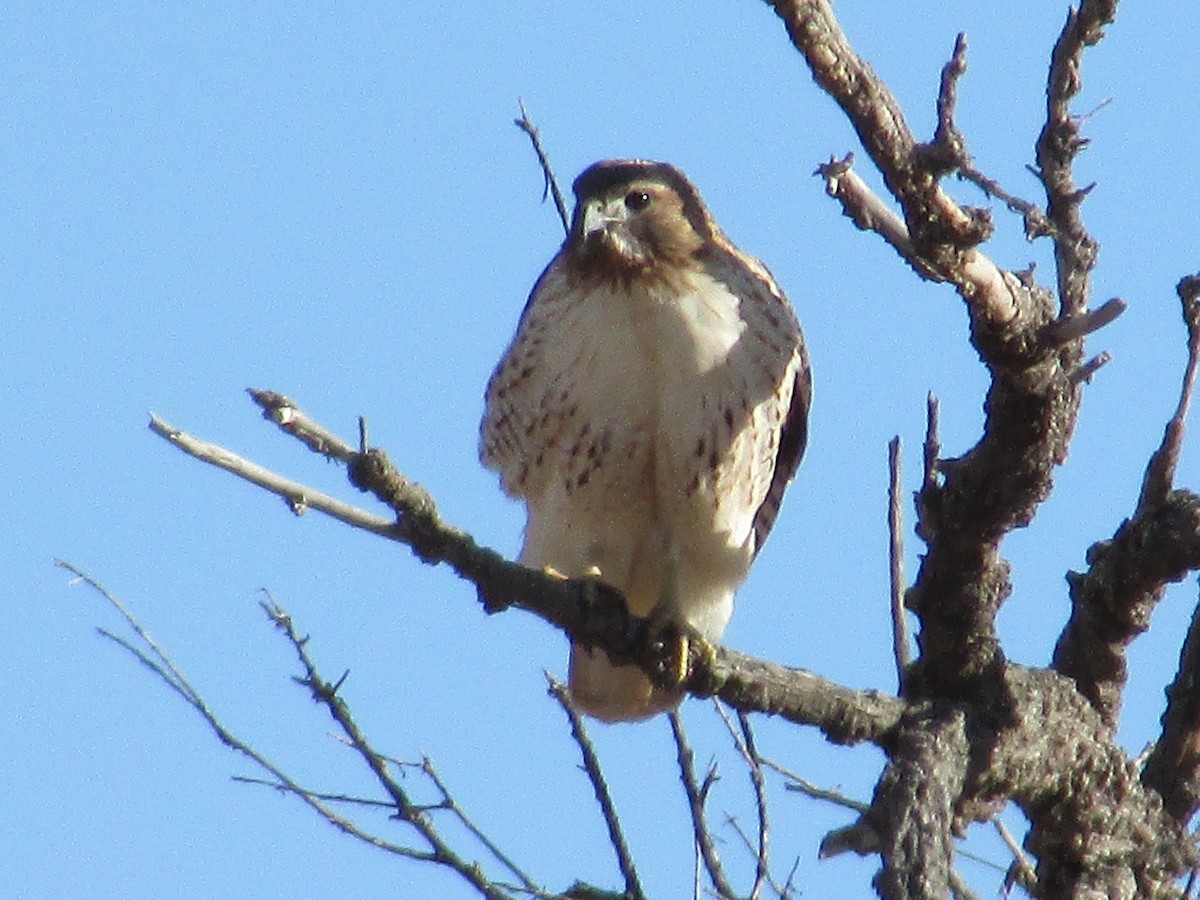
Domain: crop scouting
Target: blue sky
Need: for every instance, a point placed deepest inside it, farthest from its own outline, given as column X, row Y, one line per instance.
column 335, row 204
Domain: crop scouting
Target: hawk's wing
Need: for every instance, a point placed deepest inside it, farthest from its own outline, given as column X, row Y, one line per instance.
column 793, row 436
column 510, row 434
column 792, row 441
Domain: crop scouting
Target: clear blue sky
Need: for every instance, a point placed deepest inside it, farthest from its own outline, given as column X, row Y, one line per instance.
column 197, row 198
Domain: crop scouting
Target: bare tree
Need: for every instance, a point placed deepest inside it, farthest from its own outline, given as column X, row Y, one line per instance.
column 969, row 731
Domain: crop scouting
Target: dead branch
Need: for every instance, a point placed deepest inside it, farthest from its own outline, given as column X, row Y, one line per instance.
column 1160, row 473
column 294, row 421
column 299, row 497
column 900, row 650
column 1032, row 402
column 696, row 792
column 913, row 811
column 743, row 740
column 550, row 187
column 1057, row 146
column 584, row 608
column 1021, row 871
column 1111, row 603
column 869, row 212
column 1173, row 766
column 591, row 766
column 438, row 850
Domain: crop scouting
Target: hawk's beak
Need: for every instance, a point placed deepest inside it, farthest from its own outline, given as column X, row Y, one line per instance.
column 598, row 215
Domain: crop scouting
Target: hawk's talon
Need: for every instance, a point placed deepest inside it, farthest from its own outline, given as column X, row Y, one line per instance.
column 674, row 644
column 553, row 573
column 678, row 661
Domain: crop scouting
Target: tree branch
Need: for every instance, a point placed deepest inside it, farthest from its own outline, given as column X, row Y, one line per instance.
column 299, row 497
column 1057, row 146
column 869, row 212
column 439, row 851
column 1033, row 399
column 913, row 810
column 900, row 650
column 1054, row 759
column 586, row 609
column 1173, row 766
column 744, row 742
column 550, row 187
column 293, row 421
column 591, row 766
column 1111, row 603
column 696, row 792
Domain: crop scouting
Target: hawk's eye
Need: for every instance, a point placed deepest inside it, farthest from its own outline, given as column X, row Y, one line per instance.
column 637, row 200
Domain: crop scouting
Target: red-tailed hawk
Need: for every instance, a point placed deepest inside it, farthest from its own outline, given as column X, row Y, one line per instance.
column 650, row 411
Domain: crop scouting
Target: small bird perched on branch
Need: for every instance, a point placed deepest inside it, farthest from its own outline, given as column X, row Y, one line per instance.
column 650, row 411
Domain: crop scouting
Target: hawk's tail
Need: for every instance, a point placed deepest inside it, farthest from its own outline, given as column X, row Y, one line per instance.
column 615, row 693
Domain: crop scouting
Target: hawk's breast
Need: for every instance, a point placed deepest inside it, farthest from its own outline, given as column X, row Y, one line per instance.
column 665, row 393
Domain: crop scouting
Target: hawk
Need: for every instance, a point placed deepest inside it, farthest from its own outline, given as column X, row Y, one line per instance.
column 650, row 412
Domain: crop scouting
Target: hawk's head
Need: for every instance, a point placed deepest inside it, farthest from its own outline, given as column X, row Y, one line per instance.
column 633, row 217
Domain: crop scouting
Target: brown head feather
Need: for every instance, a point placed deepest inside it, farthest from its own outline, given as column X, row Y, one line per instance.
column 604, row 177
column 652, row 242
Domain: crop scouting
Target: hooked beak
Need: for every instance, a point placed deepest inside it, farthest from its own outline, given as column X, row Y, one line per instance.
column 598, row 215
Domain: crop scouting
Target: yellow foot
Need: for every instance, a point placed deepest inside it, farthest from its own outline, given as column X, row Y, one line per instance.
column 678, row 642
column 687, row 645
column 589, row 572
column 677, row 660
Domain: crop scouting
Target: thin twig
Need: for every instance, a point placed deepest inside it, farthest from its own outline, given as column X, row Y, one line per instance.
column 931, row 447
column 348, row 799
column 929, row 505
column 697, row 795
column 900, row 649
column 161, row 664
column 451, row 805
column 1034, row 220
column 750, row 754
column 1160, row 473
column 299, row 497
column 948, row 150
column 292, row 420
column 797, row 782
column 784, row 890
column 591, row 765
column 744, row 742
column 326, row 693
column 789, row 886
column 1022, row 869
column 551, row 184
